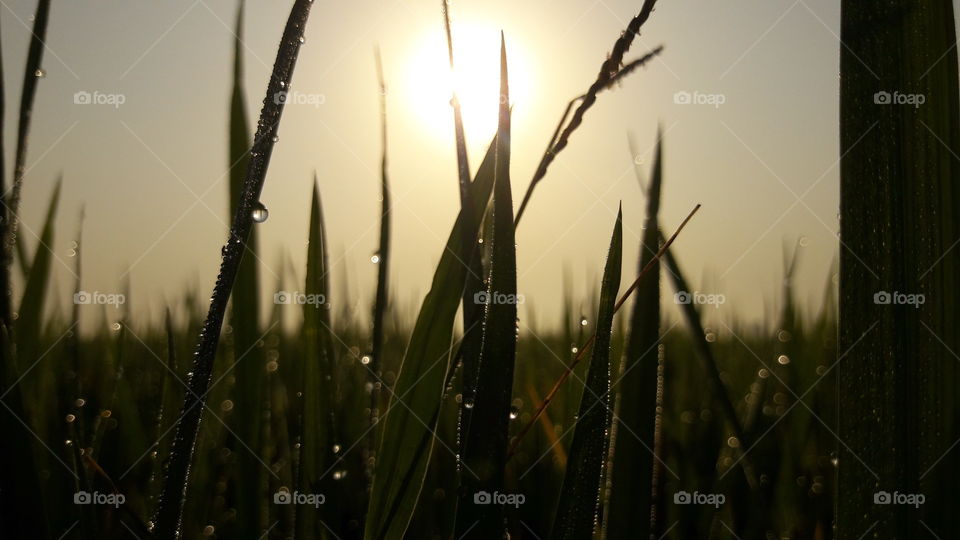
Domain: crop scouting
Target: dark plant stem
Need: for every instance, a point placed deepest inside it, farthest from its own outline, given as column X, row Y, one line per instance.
column 170, row 510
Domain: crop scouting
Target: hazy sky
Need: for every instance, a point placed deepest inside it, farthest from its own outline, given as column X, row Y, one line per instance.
column 151, row 172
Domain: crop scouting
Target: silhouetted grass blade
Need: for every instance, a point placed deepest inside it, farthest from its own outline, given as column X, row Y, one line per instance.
column 383, row 276
column 407, row 433
column 244, row 316
column 318, row 388
column 579, row 502
column 171, row 503
column 897, row 372
column 32, row 73
column 633, row 461
column 27, row 329
column 485, row 441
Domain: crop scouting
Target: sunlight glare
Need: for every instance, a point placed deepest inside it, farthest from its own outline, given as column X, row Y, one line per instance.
column 477, row 79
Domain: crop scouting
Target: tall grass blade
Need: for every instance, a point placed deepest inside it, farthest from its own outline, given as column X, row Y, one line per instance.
column 709, row 365
column 897, row 370
column 469, row 351
column 383, row 276
column 576, row 516
column 20, row 492
column 32, row 73
column 631, row 496
column 29, row 316
column 485, row 441
column 244, row 316
column 171, row 502
column 407, row 434
column 318, row 389
column 581, row 351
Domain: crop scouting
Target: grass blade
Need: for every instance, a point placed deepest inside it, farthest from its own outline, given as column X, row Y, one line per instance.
column 637, row 387
column 317, row 430
column 485, row 441
column 383, row 276
column 897, row 382
column 581, row 351
column 35, row 291
column 32, row 74
column 171, row 502
column 469, row 351
column 408, row 425
column 248, row 396
column 580, row 497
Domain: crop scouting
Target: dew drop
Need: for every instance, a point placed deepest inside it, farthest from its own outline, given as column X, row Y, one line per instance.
column 783, row 360
column 275, row 138
column 365, row 359
column 375, row 259
column 302, row 40
column 336, row 449
column 514, row 412
column 583, row 321
column 40, row 73
column 468, row 403
column 260, row 213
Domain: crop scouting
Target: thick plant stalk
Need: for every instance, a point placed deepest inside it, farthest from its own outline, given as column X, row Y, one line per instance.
column 899, row 197
column 167, row 522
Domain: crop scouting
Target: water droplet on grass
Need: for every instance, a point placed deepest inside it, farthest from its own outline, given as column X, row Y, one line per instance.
column 260, row 213
column 40, row 73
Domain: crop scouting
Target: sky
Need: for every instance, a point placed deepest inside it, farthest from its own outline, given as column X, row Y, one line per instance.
column 757, row 144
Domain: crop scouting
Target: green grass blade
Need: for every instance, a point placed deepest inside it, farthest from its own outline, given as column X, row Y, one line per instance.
column 577, row 510
column 170, row 510
column 897, row 368
column 486, row 437
column 35, row 291
column 383, row 276
column 634, row 461
column 318, row 390
column 32, row 73
column 712, row 372
column 407, row 432
column 244, row 317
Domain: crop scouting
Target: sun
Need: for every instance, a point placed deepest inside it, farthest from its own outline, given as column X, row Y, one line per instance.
column 476, row 80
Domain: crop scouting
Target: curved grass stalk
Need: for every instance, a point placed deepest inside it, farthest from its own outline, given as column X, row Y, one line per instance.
column 608, row 74
column 170, row 510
